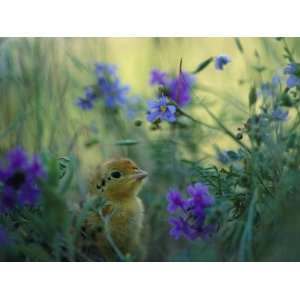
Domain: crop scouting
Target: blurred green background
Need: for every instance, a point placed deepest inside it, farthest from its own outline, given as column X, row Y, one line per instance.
column 40, row 78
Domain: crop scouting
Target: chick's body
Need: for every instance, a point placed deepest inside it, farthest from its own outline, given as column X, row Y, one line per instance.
column 118, row 182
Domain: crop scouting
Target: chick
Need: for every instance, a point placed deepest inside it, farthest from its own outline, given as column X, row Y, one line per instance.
column 118, row 182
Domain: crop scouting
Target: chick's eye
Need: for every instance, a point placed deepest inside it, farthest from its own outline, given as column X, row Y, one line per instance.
column 116, row 174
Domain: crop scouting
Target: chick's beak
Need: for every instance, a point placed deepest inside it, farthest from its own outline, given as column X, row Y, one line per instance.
column 140, row 174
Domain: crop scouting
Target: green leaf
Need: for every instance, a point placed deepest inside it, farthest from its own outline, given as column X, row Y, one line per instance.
column 203, row 65
column 239, row 44
column 127, row 142
column 68, row 172
column 78, row 63
column 252, row 96
column 63, row 163
column 285, row 100
column 259, row 69
column 91, row 142
column 292, row 141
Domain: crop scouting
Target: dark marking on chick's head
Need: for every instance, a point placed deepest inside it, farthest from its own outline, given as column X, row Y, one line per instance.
column 119, row 179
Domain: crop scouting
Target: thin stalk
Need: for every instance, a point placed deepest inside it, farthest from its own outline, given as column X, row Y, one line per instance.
column 183, row 113
column 245, row 250
column 109, row 237
column 226, row 130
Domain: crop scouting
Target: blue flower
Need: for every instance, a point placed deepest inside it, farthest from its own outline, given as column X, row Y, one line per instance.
column 18, row 180
column 113, row 92
column 87, row 103
column 90, row 94
column 161, row 110
column 111, row 89
column 266, row 89
column 276, row 81
column 180, row 88
column 103, row 70
column 270, row 89
column 293, row 81
column 280, row 115
column 221, row 61
column 84, row 104
column 158, row 77
column 293, row 70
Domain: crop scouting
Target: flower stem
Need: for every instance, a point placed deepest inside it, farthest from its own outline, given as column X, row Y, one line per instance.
column 226, row 130
column 183, row 113
column 222, row 126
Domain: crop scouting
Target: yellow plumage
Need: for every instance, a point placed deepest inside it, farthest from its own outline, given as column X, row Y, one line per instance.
column 118, row 182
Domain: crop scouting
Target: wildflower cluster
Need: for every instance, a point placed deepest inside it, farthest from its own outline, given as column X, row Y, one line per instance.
column 191, row 220
column 178, row 89
column 109, row 88
column 270, row 89
column 19, row 180
column 293, row 72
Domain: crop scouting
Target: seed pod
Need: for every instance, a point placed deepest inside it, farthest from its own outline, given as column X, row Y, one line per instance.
column 138, row 123
column 239, row 136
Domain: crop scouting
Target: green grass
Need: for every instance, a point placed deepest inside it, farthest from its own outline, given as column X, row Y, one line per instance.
column 40, row 78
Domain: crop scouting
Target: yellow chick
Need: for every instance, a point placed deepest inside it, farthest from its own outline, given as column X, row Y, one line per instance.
column 118, row 182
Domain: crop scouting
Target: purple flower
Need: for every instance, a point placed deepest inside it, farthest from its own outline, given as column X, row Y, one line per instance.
column 221, row 61
column 200, row 194
column 18, row 180
column 4, row 239
column 200, row 198
column 175, row 200
column 180, row 227
column 161, row 110
column 191, row 220
column 293, row 70
column 180, row 88
column 158, row 77
column 280, row 115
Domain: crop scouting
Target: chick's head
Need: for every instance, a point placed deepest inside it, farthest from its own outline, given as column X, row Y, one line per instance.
column 117, row 180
